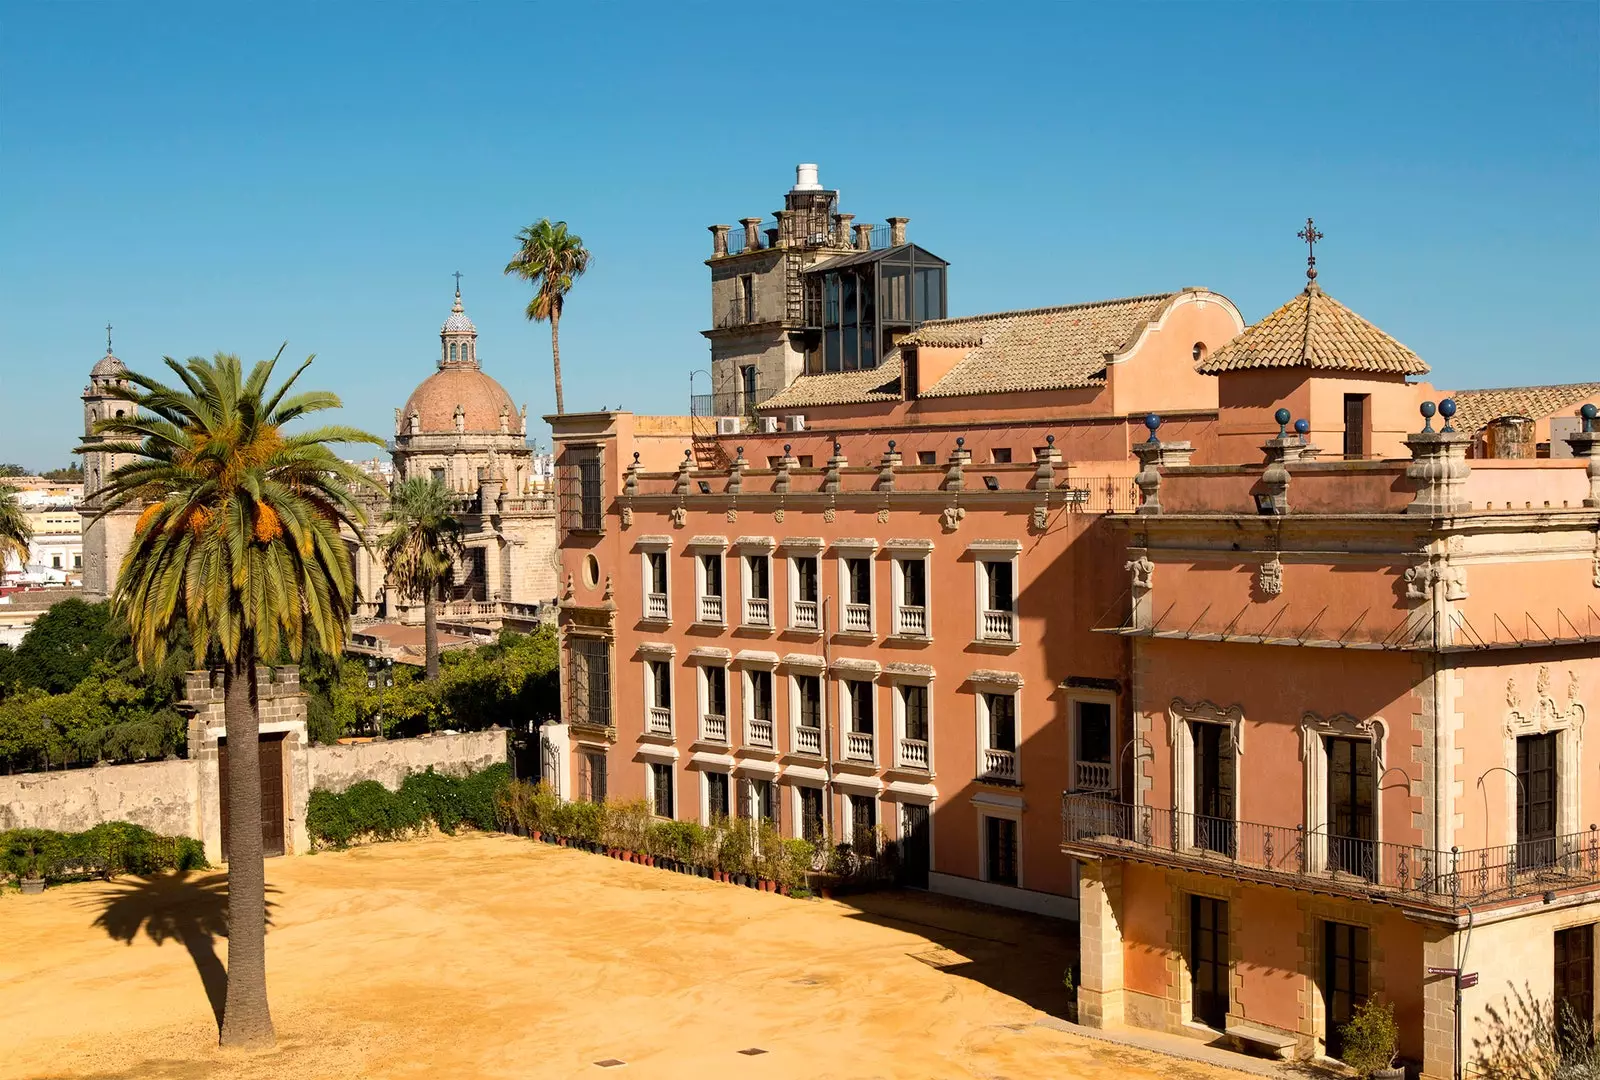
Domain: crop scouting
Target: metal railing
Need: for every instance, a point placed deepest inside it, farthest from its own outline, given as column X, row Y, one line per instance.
column 804, row 615
column 1101, row 494
column 658, row 720
column 858, row 618
column 741, row 311
column 912, row 620
column 759, row 733
column 1452, row 878
column 711, row 609
column 999, row 625
column 913, row 754
column 730, row 402
column 858, row 746
column 1093, row 776
column 714, row 728
column 808, row 740
column 655, row 605
column 757, row 611
column 1000, row 765
column 736, row 238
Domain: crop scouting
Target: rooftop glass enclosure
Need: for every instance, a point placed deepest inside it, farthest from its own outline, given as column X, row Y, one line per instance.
column 859, row 303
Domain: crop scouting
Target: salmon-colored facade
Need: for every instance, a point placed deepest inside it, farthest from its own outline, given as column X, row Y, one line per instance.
column 1283, row 728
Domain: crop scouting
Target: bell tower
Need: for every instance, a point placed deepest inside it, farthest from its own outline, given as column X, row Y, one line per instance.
column 106, row 541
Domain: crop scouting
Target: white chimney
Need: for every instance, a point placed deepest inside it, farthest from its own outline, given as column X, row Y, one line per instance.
column 805, row 178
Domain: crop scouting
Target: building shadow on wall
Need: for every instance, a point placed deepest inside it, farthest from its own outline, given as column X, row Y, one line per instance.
column 186, row 907
column 1019, row 955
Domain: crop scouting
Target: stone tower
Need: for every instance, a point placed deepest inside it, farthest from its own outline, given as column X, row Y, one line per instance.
column 106, row 541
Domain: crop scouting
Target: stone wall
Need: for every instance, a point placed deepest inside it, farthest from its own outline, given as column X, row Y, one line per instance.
column 163, row 796
column 335, row 768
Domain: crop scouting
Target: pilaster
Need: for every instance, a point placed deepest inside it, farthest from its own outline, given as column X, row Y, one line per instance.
column 1101, row 995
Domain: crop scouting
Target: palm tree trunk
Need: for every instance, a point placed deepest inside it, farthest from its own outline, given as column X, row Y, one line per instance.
column 555, row 354
column 246, row 1020
column 430, row 632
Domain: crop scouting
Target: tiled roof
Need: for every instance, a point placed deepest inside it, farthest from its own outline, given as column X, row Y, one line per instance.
column 1477, row 409
column 881, row 383
column 1314, row 331
column 1052, row 348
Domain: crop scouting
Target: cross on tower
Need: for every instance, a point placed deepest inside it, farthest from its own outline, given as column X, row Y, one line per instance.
column 1310, row 235
column 108, row 339
column 457, row 276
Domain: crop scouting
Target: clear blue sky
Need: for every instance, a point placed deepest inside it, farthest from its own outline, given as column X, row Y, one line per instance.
column 215, row 176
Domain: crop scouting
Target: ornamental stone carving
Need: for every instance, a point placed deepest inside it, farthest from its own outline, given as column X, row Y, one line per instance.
column 777, row 515
column 1544, row 714
column 1041, row 518
column 1143, row 571
column 828, row 514
column 627, row 516
column 951, row 517
column 1270, row 577
column 883, row 518
column 680, row 517
column 733, row 515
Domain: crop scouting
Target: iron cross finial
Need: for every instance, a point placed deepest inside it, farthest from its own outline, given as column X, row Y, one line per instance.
column 1310, row 235
column 108, row 339
column 457, row 276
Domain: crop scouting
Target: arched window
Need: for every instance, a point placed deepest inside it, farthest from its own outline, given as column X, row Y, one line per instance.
column 452, row 350
column 119, row 414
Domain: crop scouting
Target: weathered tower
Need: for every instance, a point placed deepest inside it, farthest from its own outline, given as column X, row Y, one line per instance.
column 106, row 541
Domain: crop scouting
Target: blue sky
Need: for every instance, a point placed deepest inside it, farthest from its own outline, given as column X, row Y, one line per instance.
column 214, row 177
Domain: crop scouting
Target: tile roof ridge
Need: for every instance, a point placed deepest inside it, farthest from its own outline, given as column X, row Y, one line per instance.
column 1312, row 291
column 1146, row 298
column 1528, row 386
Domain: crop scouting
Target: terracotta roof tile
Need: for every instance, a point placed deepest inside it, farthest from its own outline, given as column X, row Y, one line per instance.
column 881, row 383
column 1477, row 409
column 1314, row 331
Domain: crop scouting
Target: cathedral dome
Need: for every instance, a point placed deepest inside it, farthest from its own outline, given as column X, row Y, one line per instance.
column 482, row 402
column 109, row 367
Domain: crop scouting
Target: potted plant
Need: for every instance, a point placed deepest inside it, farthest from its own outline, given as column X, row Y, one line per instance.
column 1371, row 1040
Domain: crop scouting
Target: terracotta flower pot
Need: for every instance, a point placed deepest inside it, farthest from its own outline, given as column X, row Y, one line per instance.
column 537, row 835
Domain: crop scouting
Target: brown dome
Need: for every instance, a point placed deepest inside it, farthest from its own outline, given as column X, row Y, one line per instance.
column 435, row 401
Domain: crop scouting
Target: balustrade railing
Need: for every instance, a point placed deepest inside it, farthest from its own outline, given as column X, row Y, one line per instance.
column 655, row 605
column 999, row 625
column 659, row 720
column 1422, row 875
column 757, row 611
column 808, row 740
column 759, row 733
column 858, row 617
column 711, row 609
column 1094, row 776
column 714, row 728
column 805, row 615
column 912, row 620
column 858, row 746
column 913, row 754
column 1000, row 765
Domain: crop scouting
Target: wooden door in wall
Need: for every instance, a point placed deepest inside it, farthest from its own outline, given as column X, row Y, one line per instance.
column 916, row 854
column 1345, row 953
column 1536, row 800
column 1574, row 996
column 1208, row 960
column 1350, row 789
column 1213, row 788
column 272, row 830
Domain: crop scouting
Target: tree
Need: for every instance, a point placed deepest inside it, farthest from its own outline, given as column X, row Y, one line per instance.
column 419, row 549
column 11, row 468
column 72, row 474
column 15, row 532
column 62, row 645
column 551, row 259
column 239, row 542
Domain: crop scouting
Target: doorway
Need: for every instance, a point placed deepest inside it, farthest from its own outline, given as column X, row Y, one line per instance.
column 1574, row 985
column 1213, row 788
column 1350, row 821
column 271, row 771
column 1208, row 960
column 916, row 855
column 1345, row 979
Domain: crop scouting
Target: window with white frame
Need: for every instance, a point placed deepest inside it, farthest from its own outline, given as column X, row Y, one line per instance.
column 859, row 718
column 805, row 604
column 810, row 821
column 997, row 591
column 708, row 587
column 714, row 703
column 806, row 696
column 658, row 697
column 912, row 747
column 758, row 798
column 657, row 606
column 1093, row 769
column 659, row 777
column 855, row 586
column 861, row 823
column 997, row 735
column 718, row 798
column 758, row 730
column 757, row 569
column 911, row 596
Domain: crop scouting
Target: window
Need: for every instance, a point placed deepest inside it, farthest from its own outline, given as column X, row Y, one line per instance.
column 658, row 690
column 661, row 789
column 804, row 613
column 714, row 710
column 1208, row 960
column 747, row 295
column 758, row 590
column 1092, row 746
column 913, row 748
column 77, row 561
column 589, row 682
column 1198, row 352
column 592, row 777
column 1345, row 979
column 452, row 350
column 758, row 697
column 1574, row 985
column 709, row 579
column 1000, row 850
column 1350, row 822
column 1536, row 799
column 437, row 475
column 997, row 717
column 911, row 597
column 55, row 562
column 655, row 586
column 1000, row 455
column 761, row 801
column 863, row 823
column 1213, row 787
column 581, row 490
column 806, row 712
column 718, row 804
column 927, row 457
column 858, row 719
column 855, row 614
column 997, row 599
column 811, row 822
column 1356, row 415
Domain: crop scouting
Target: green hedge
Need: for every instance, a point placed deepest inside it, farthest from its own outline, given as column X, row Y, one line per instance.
column 370, row 811
column 115, row 847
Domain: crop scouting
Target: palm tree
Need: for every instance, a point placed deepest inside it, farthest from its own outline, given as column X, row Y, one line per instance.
column 552, row 259
column 420, row 548
column 15, row 532
column 239, row 543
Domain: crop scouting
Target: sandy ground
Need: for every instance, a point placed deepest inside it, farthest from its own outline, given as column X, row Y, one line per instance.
column 490, row 956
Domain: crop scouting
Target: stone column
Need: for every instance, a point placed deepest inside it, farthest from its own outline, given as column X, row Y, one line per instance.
column 752, row 232
column 863, row 237
column 1440, row 470
column 1439, row 949
column 1100, row 990
column 1272, row 491
column 492, row 579
column 1153, row 457
column 841, row 231
column 897, row 231
column 785, row 227
column 719, row 238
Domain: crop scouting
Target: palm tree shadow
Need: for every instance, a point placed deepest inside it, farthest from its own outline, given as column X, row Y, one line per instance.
column 187, row 907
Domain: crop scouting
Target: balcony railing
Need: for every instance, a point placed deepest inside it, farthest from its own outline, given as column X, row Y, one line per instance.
column 659, row 720
column 999, row 625
column 1094, row 776
column 808, row 740
column 655, row 605
column 711, row 609
column 759, row 733
column 858, row 618
column 741, row 311
column 805, row 615
column 1000, row 765
column 757, row 611
column 913, row 754
column 912, row 620
column 714, row 728
column 1449, row 879
column 858, row 746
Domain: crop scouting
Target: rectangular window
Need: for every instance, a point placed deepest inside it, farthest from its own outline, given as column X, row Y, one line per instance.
column 811, row 813
column 864, row 824
column 1345, row 978
column 655, row 585
column 758, row 590
column 1350, row 822
column 1355, row 425
column 914, row 582
column 855, row 615
column 914, row 702
column 804, row 609
column 661, row 789
column 1000, row 850
column 747, row 293
column 860, row 693
column 660, row 684
column 592, row 777
column 927, row 457
column 715, row 722
column 718, row 805
column 1536, row 800
column 1002, row 721
column 582, row 496
column 763, row 801
column 437, row 475
column 760, row 576
column 1092, row 744
column 55, row 562
column 589, row 681
column 1208, row 960
column 759, row 732
column 1000, row 455
column 710, row 583
column 1213, row 787
column 999, row 580
column 810, row 687
column 1574, row 985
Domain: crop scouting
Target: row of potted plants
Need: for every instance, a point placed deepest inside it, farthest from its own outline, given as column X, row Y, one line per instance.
column 673, row 865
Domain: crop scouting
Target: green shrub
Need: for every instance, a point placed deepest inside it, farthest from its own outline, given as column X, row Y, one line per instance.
column 114, row 847
column 1371, row 1037
column 370, row 811
column 627, row 825
column 673, row 840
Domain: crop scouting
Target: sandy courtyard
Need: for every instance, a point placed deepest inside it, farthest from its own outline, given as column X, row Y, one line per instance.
column 489, row 956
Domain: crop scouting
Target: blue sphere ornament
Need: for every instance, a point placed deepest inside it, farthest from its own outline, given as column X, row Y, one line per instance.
column 836, row 447
column 1447, row 408
column 1050, row 440
column 961, row 440
column 1281, row 416
column 1302, row 426
column 1589, row 412
column 891, row 446
column 739, row 450
column 785, row 448
column 1152, row 421
column 1428, row 409
column 636, row 457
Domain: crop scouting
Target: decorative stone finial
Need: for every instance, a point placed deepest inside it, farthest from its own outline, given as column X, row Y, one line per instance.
column 1447, row 409
column 1281, row 417
column 1152, row 422
column 1302, row 427
column 1427, row 409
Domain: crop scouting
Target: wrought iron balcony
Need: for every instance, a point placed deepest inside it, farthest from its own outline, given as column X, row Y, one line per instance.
column 1094, row 824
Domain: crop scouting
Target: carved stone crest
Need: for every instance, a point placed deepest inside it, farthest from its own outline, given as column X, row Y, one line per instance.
column 828, row 514
column 1419, row 581
column 627, row 516
column 1143, row 570
column 680, row 517
column 1270, row 577
column 1041, row 518
column 951, row 516
column 883, row 516
column 1455, row 583
column 777, row 515
column 733, row 515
